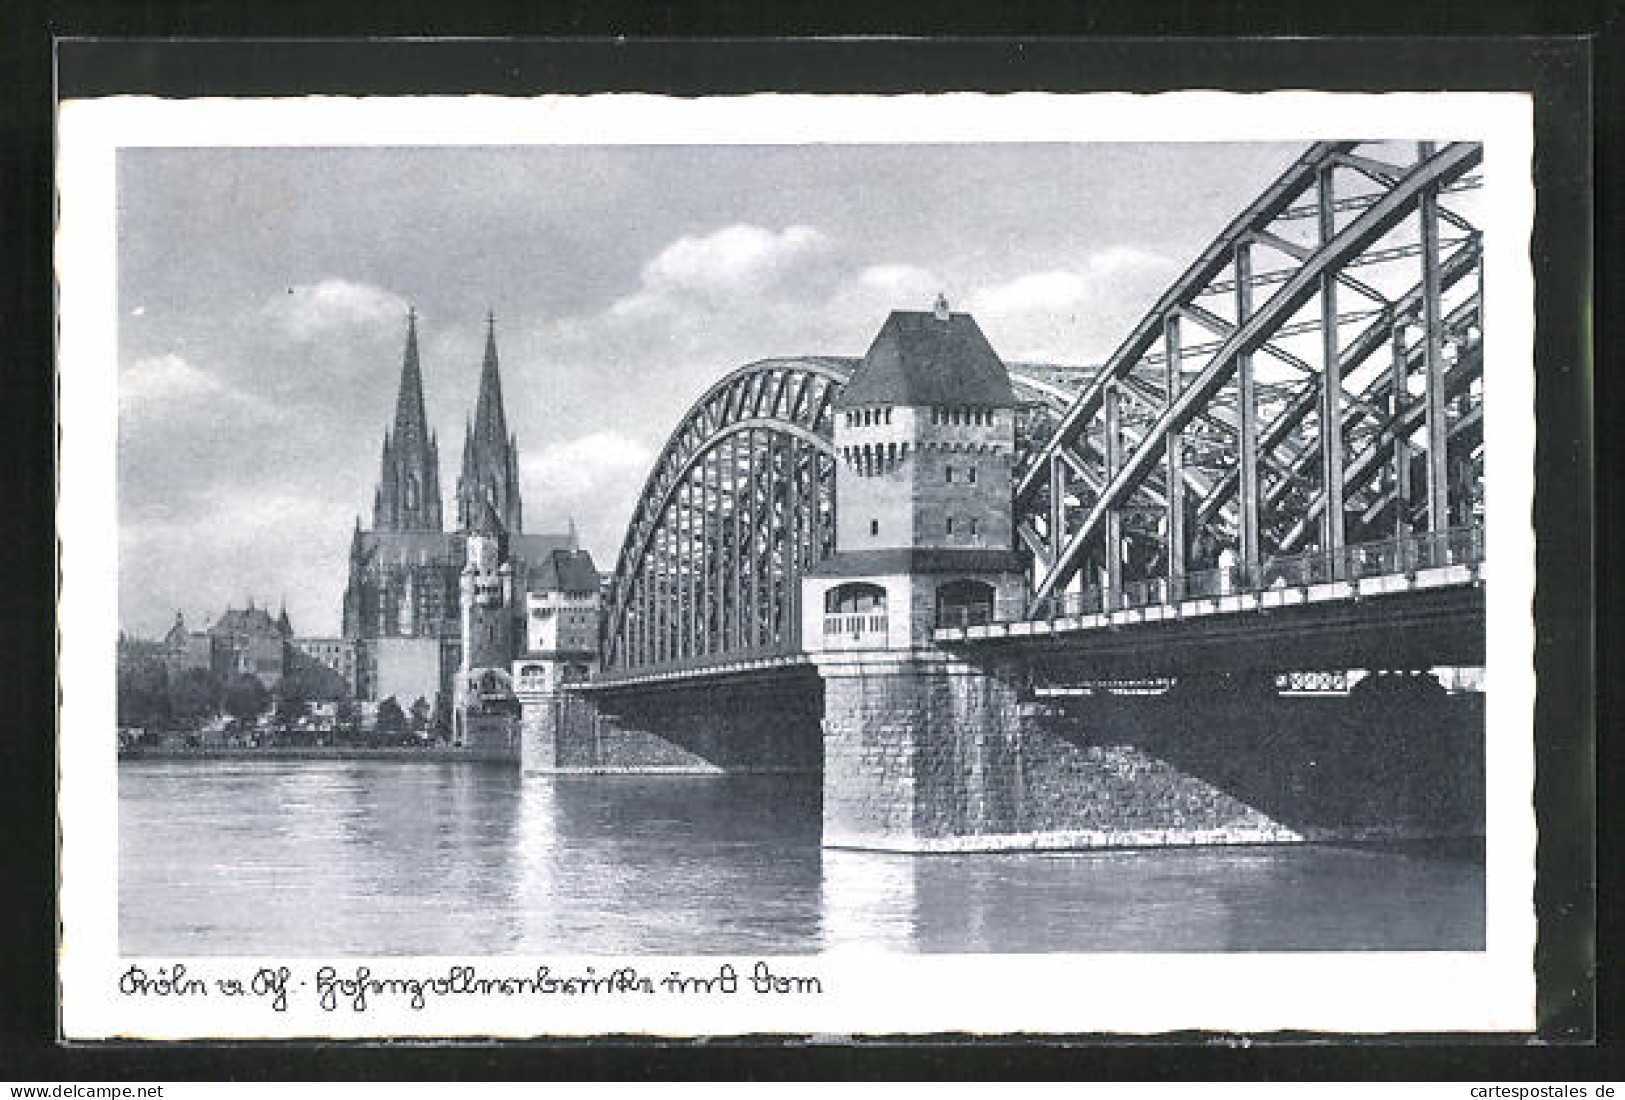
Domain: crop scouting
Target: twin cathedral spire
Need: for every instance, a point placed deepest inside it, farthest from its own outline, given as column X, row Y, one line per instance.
column 408, row 496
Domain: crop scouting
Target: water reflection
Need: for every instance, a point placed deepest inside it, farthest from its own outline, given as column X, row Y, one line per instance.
column 1192, row 899
column 302, row 858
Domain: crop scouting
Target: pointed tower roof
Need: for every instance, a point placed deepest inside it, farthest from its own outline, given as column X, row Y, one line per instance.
column 408, row 495
column 490, row 419
column 487, row 522
column 936, row 358
column 411, row 421
column 489, row 451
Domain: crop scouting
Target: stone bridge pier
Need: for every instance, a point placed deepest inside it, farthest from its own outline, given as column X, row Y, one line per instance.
column 754, row 724
column 932, row 753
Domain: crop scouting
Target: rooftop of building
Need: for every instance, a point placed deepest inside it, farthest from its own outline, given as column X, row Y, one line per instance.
column 569, row 571
column 251, row 621
column 929, row 358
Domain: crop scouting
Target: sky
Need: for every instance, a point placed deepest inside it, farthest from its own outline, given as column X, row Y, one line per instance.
column 263, row 297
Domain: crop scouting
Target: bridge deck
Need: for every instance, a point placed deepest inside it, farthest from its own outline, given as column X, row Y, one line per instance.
column 1202, row 606
column 719, row 667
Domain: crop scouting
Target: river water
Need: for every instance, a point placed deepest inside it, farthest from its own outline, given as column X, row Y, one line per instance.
column 302, row 858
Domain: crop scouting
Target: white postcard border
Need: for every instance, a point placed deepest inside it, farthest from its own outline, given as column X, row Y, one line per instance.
column 862, row 993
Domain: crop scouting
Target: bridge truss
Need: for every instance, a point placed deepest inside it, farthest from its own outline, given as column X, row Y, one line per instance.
column 739, row 504
column 1307, row 394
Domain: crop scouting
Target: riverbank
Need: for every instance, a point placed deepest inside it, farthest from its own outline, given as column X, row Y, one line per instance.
column 407, row 753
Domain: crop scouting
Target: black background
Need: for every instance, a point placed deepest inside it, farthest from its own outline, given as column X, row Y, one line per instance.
column 1124, row 49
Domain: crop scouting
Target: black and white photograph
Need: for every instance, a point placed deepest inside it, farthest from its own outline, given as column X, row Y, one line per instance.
column 804, row 545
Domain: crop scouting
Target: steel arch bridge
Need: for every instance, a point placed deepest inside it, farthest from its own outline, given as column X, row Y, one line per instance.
column 1303, row 404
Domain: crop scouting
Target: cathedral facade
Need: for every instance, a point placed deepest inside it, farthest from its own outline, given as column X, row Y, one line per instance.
column 403, row 604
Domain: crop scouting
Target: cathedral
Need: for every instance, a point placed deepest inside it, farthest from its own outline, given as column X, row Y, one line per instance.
column 403, row 605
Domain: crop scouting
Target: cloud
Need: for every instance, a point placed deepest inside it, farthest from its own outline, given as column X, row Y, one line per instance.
column 168, row 395
column 1125, row 259
column 897, row 279
column 1073, row 314
column 163, row 378
column 594, row 479
column 306, row 312
column 736, row 263
column 187, row 433
column 579, row 465
column 1042, row 290
column 269, row 545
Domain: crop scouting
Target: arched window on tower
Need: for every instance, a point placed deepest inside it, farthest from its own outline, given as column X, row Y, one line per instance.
column 964, row 603
column 855, row 613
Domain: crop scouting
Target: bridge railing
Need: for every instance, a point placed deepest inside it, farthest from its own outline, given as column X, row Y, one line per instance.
column 857, row 628
column 698, row 663
column 1391, row 557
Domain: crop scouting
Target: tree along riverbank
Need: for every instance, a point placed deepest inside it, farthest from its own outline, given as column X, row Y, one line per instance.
column 439, row 754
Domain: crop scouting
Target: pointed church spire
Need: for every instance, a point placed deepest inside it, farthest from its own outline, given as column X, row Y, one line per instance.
column 488, row 449
column 490, row 419
column 410, row 420
column 408, row 497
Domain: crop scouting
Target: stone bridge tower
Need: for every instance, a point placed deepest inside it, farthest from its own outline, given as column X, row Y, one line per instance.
column 915, row 739
column 925, row 436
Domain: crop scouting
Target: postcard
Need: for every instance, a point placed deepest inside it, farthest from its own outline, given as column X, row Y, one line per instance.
column 986, row 564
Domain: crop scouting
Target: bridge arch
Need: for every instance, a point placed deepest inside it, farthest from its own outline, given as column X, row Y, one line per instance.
column 739, row 504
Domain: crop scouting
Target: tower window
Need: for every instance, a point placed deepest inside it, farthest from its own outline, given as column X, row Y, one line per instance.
column 948, row 474
column 970, row 474
column 874, row 527
column 950, row 523
column 973, row 527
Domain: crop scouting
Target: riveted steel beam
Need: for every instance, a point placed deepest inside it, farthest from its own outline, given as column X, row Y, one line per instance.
column 1331, row 385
